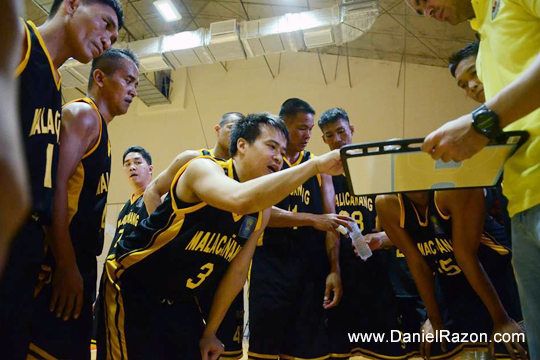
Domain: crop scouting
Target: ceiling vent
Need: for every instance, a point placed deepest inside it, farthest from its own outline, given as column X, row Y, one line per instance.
column 318, row 38
column 224, row 43
column 187, row 49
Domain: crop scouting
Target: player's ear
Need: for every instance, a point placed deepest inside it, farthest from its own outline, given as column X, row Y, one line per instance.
column 71, row 5
column 217, row 128
column 99, row 77
column 242, row 145
column 151, row 168
column 352, row 128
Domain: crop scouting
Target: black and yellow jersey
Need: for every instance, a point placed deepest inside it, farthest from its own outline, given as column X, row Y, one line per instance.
column 132, row 213
column 40, row 106
column 87, row 195
column 360, row 208
column 432, row 233
column 180, row 248
column 306, row 198
column 210, row 153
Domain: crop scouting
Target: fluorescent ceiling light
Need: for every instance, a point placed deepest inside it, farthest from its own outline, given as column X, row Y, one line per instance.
column 167, row 10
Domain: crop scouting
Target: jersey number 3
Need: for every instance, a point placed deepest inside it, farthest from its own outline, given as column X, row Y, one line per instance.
column 206, row 270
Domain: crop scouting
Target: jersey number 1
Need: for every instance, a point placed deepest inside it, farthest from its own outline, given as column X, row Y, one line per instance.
column 47, row 182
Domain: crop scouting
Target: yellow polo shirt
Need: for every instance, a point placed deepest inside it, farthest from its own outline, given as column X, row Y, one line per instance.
column 510, row 42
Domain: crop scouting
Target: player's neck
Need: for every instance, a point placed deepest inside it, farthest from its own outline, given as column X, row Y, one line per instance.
column 137, row 191
column 54, row 36
column 220, row 152
column 420, row 200
column 101, row 105
column 292, row 155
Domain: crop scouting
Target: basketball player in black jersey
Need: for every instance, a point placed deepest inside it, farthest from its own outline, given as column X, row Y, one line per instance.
column 213, row 216
column 81, row 29
column 138, row 169
column 295, row 273
column 62, row 322
column 161, row 184
column 444, row 233
column 369, row 302
column 14, row 197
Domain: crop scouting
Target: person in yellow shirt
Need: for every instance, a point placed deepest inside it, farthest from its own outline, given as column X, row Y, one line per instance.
column 509, row 67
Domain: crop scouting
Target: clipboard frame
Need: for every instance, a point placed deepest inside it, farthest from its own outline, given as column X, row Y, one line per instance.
column 401, row 146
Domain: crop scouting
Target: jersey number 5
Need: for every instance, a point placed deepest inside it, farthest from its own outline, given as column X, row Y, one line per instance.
column 206, row 270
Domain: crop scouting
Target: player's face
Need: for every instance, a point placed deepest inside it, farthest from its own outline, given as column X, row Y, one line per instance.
column 300, row 127
column 224, row 132
column 337, row 134
column 137, row 170
column 467, row 79
column 120, row 88
column 92, row 29
column 265, row 155
column 450, row 11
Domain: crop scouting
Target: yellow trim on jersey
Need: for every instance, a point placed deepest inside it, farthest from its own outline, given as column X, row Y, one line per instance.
column 74, row 189
column 134, row 198
column 262, row 356
column 231, row 355
column 319, row 177
column 444, row 216
column 40, row 352
column 31, row 357
column 116, row 338
column 24, row 62
column 426, row 218
column 492, row 243
column 298, row 161
column 100, row 119
column 56, row 74
column 373, row 355
column 289, row 357
column 201, row 151
column 401, row 211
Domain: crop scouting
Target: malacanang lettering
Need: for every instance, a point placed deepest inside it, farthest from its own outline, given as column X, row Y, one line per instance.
column 51, row 126
column 215, row 243
column 131, row 218
column 432, row 247
column 345, row 199
column 303, row 193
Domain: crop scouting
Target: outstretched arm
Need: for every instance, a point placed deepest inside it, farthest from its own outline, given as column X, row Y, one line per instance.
column 204, row 180
column 457, row 140
column 324, row 222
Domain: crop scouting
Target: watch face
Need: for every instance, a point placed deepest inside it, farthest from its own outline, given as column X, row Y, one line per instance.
column 484, row 120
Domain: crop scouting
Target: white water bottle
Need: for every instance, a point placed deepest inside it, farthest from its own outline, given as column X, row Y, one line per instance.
column 359, row 241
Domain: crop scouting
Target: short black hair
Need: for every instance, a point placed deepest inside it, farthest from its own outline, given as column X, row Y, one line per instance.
column 138, row 149
column 471, row 49
column 331, row 116
column 293, row 106
column 110, row 61
column 250, row 129
column 115, row 4
column 227, row 117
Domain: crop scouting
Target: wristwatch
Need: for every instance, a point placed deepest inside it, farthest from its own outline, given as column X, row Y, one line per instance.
column 486, row 122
